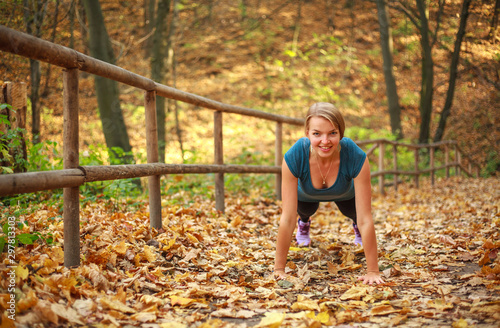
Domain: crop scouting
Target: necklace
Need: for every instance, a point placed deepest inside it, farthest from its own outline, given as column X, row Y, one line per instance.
column 319, row 168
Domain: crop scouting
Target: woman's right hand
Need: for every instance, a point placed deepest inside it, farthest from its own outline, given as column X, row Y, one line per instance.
column 280, row 274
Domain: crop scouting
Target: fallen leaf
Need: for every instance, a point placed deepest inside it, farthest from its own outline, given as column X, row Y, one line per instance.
column 354, row 293
column 271, row 320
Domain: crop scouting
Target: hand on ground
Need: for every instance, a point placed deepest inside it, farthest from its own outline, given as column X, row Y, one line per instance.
column 371, row 278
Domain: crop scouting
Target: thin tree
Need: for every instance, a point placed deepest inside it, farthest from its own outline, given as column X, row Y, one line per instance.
column 453, row 71
column 34, row 13
column 494, row 22
column 390, row 82
column 52, row 39
column 113, row 124
column 149, row 25
column 172, row 64
column 419, row 16
column 158, row 55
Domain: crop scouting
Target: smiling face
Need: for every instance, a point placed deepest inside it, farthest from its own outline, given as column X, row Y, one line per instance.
column 324, row 136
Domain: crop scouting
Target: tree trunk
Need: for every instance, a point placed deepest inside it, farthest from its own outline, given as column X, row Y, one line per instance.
column 427, row 83
column 52, row 39
column 172, row 63
column 494, row 22
column 149, row 24
column 330, row 14
column 297, row 26
column 34, row 13
column 453, row 71
column 72, row 24
column 390, row 81
column 158, row 70
column 113, row 124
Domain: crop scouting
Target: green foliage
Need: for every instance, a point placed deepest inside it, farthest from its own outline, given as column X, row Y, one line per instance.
column 112, row 190
column 492, row 164
column 9, row 234
column 250, row 184
column 44, row 156
column 11, row 141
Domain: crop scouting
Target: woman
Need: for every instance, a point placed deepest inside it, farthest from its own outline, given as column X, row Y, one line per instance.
column 325, row 166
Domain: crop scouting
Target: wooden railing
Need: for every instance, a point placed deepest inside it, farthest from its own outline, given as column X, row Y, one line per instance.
column 73, row 175
column 446, row 164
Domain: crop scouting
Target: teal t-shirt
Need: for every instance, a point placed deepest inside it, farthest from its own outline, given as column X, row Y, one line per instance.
column 352, row 159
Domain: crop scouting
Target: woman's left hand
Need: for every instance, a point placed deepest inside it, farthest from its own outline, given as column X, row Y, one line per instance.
column 371, row 277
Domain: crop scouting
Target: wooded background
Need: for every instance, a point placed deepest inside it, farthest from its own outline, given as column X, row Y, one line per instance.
column 423, row 71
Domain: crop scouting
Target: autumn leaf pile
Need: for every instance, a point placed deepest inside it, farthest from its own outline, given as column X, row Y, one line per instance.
column 438, row 253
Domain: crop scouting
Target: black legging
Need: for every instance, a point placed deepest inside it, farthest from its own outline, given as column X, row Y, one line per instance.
column 346, row 207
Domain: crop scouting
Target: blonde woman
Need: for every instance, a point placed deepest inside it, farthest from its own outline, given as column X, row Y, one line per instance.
column 326, row 167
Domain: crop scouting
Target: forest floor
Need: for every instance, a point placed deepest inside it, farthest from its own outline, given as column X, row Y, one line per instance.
column 438, row 253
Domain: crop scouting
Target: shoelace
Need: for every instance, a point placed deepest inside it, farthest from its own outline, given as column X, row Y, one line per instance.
column 304, row 230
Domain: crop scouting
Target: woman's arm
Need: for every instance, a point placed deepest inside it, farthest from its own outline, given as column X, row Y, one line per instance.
column 362, row 186
column 288, row 219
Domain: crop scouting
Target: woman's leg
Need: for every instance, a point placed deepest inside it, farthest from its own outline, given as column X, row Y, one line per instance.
column 348, row 208
column 305, row 211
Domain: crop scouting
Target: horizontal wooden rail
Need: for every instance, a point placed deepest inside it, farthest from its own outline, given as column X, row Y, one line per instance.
column 382, row 172
column 31, row 47
column 12, row 184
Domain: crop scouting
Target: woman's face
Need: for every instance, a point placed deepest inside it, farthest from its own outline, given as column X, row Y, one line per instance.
column 324, row 136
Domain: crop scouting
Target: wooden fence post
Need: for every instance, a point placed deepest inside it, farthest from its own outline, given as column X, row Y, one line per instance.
column 152, row 157
column 431, row 149
column 71, row 199
column 395, row 164
column 417, row 172
column 278, row 156
column 458, row 159
column 381, row 149
column 447, row 160
column 218, row 159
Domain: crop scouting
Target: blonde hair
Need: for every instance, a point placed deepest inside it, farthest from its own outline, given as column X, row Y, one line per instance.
column 329, row 112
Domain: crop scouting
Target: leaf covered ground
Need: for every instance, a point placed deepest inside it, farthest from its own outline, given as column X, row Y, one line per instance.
column 438, row 253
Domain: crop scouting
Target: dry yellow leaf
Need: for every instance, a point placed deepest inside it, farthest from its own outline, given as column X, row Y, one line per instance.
column 236, row 221
column 332, row 268
column 305, row 306
column 21, row 272
column 174, row 324
column 115, row 305
column 192, row 238
column 398, row 319
column 26, row 302
column 149, row 253
column 354, row 293
column 121, row 248
column 144, row 317
column 271, row 320
column 182, row 301
column 439, row 304
column 382, row 310
column 169, row 243
column 462, row 323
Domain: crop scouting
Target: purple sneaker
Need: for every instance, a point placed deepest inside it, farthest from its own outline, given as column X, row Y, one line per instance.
column 303, row 238
column 357, row 236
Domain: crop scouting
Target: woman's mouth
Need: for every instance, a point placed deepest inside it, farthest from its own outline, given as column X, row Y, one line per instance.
column 324, row 148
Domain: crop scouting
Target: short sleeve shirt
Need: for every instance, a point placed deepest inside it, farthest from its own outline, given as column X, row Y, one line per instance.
column 352, row 159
